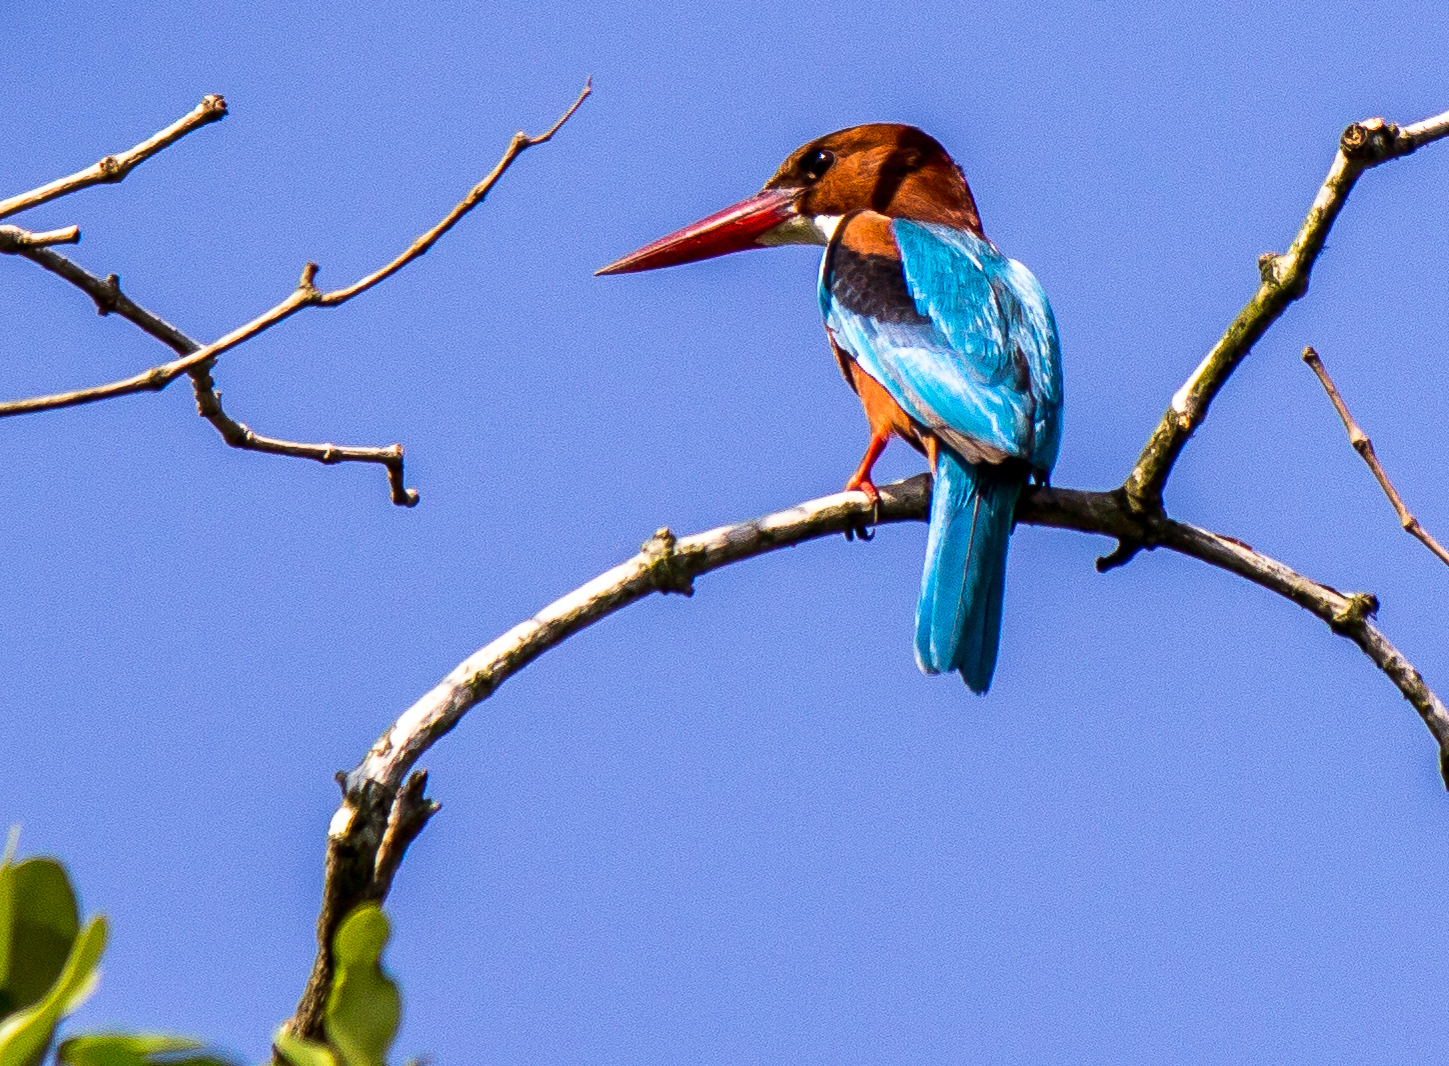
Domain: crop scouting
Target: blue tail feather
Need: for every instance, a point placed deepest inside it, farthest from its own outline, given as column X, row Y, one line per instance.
column 958, row 617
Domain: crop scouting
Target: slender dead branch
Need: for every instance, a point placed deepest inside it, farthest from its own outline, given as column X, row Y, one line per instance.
column 109, row 299
column 667, row 564
column 410, row 811
column 1365, row 448
column 1284, row 279
column 13, row 238
column 114, row 168
column 198, row 359
column 521, row 143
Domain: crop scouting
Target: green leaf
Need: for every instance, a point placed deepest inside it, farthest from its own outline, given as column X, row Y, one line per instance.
column 39, row 920
column 25, row 1037
column 364, row 1007
column 301, row 1052
column 135, row 1049
column 119, row 1049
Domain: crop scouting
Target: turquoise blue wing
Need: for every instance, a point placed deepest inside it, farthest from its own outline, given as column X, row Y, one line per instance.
column 960, row 336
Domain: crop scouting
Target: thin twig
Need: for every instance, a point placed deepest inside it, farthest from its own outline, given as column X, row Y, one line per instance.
column 1284, row 279
column 1365, row 448
column 667, row 564
column 114, row 168
column 521, row 143
column 13, row 238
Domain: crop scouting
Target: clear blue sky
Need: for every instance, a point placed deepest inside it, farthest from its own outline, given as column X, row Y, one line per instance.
column 1187, row 825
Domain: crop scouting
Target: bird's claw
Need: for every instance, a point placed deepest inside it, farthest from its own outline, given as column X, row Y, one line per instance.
column 865, row 531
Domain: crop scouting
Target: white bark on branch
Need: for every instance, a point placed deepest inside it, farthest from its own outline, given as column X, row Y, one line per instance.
column 669, row 565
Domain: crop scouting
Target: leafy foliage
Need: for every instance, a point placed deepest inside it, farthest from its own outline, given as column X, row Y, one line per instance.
column 364, row 1008
column 47, row 961
column 49, row 965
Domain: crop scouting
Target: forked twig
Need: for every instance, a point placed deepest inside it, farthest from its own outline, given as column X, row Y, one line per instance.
column 197, row 359
column 1365, row 448
column 109, row 299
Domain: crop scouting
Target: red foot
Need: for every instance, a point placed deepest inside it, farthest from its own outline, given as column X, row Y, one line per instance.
column 860, row 482
column 863, row 483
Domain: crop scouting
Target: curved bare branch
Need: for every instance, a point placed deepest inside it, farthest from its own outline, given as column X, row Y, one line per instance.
column 670, row 565
column 666, row 564
column 521, row 142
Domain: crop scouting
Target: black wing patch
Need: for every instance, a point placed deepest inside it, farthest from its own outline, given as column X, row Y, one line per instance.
column 872, row 285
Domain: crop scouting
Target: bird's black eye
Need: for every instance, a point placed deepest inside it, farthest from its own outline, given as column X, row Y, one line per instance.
column 814, row 165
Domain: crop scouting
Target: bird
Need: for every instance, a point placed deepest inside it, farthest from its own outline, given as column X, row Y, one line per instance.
column 950, row 346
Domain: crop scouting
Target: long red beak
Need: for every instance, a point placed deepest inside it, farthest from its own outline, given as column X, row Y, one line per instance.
column 732, row 230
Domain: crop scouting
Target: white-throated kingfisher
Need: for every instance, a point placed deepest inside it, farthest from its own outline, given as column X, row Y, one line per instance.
column 950, row 346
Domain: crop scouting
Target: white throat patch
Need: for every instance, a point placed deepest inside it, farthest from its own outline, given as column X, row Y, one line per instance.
column 802, row 230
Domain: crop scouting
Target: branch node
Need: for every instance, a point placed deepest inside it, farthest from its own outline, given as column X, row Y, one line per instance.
column 214, row 105
column 1145, row 504
column 664, row 563
column 109, row 296
column 111, row 169
column 1121, row 555
column 1268, row 268
column 1361, row 606
column 1371, row 140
